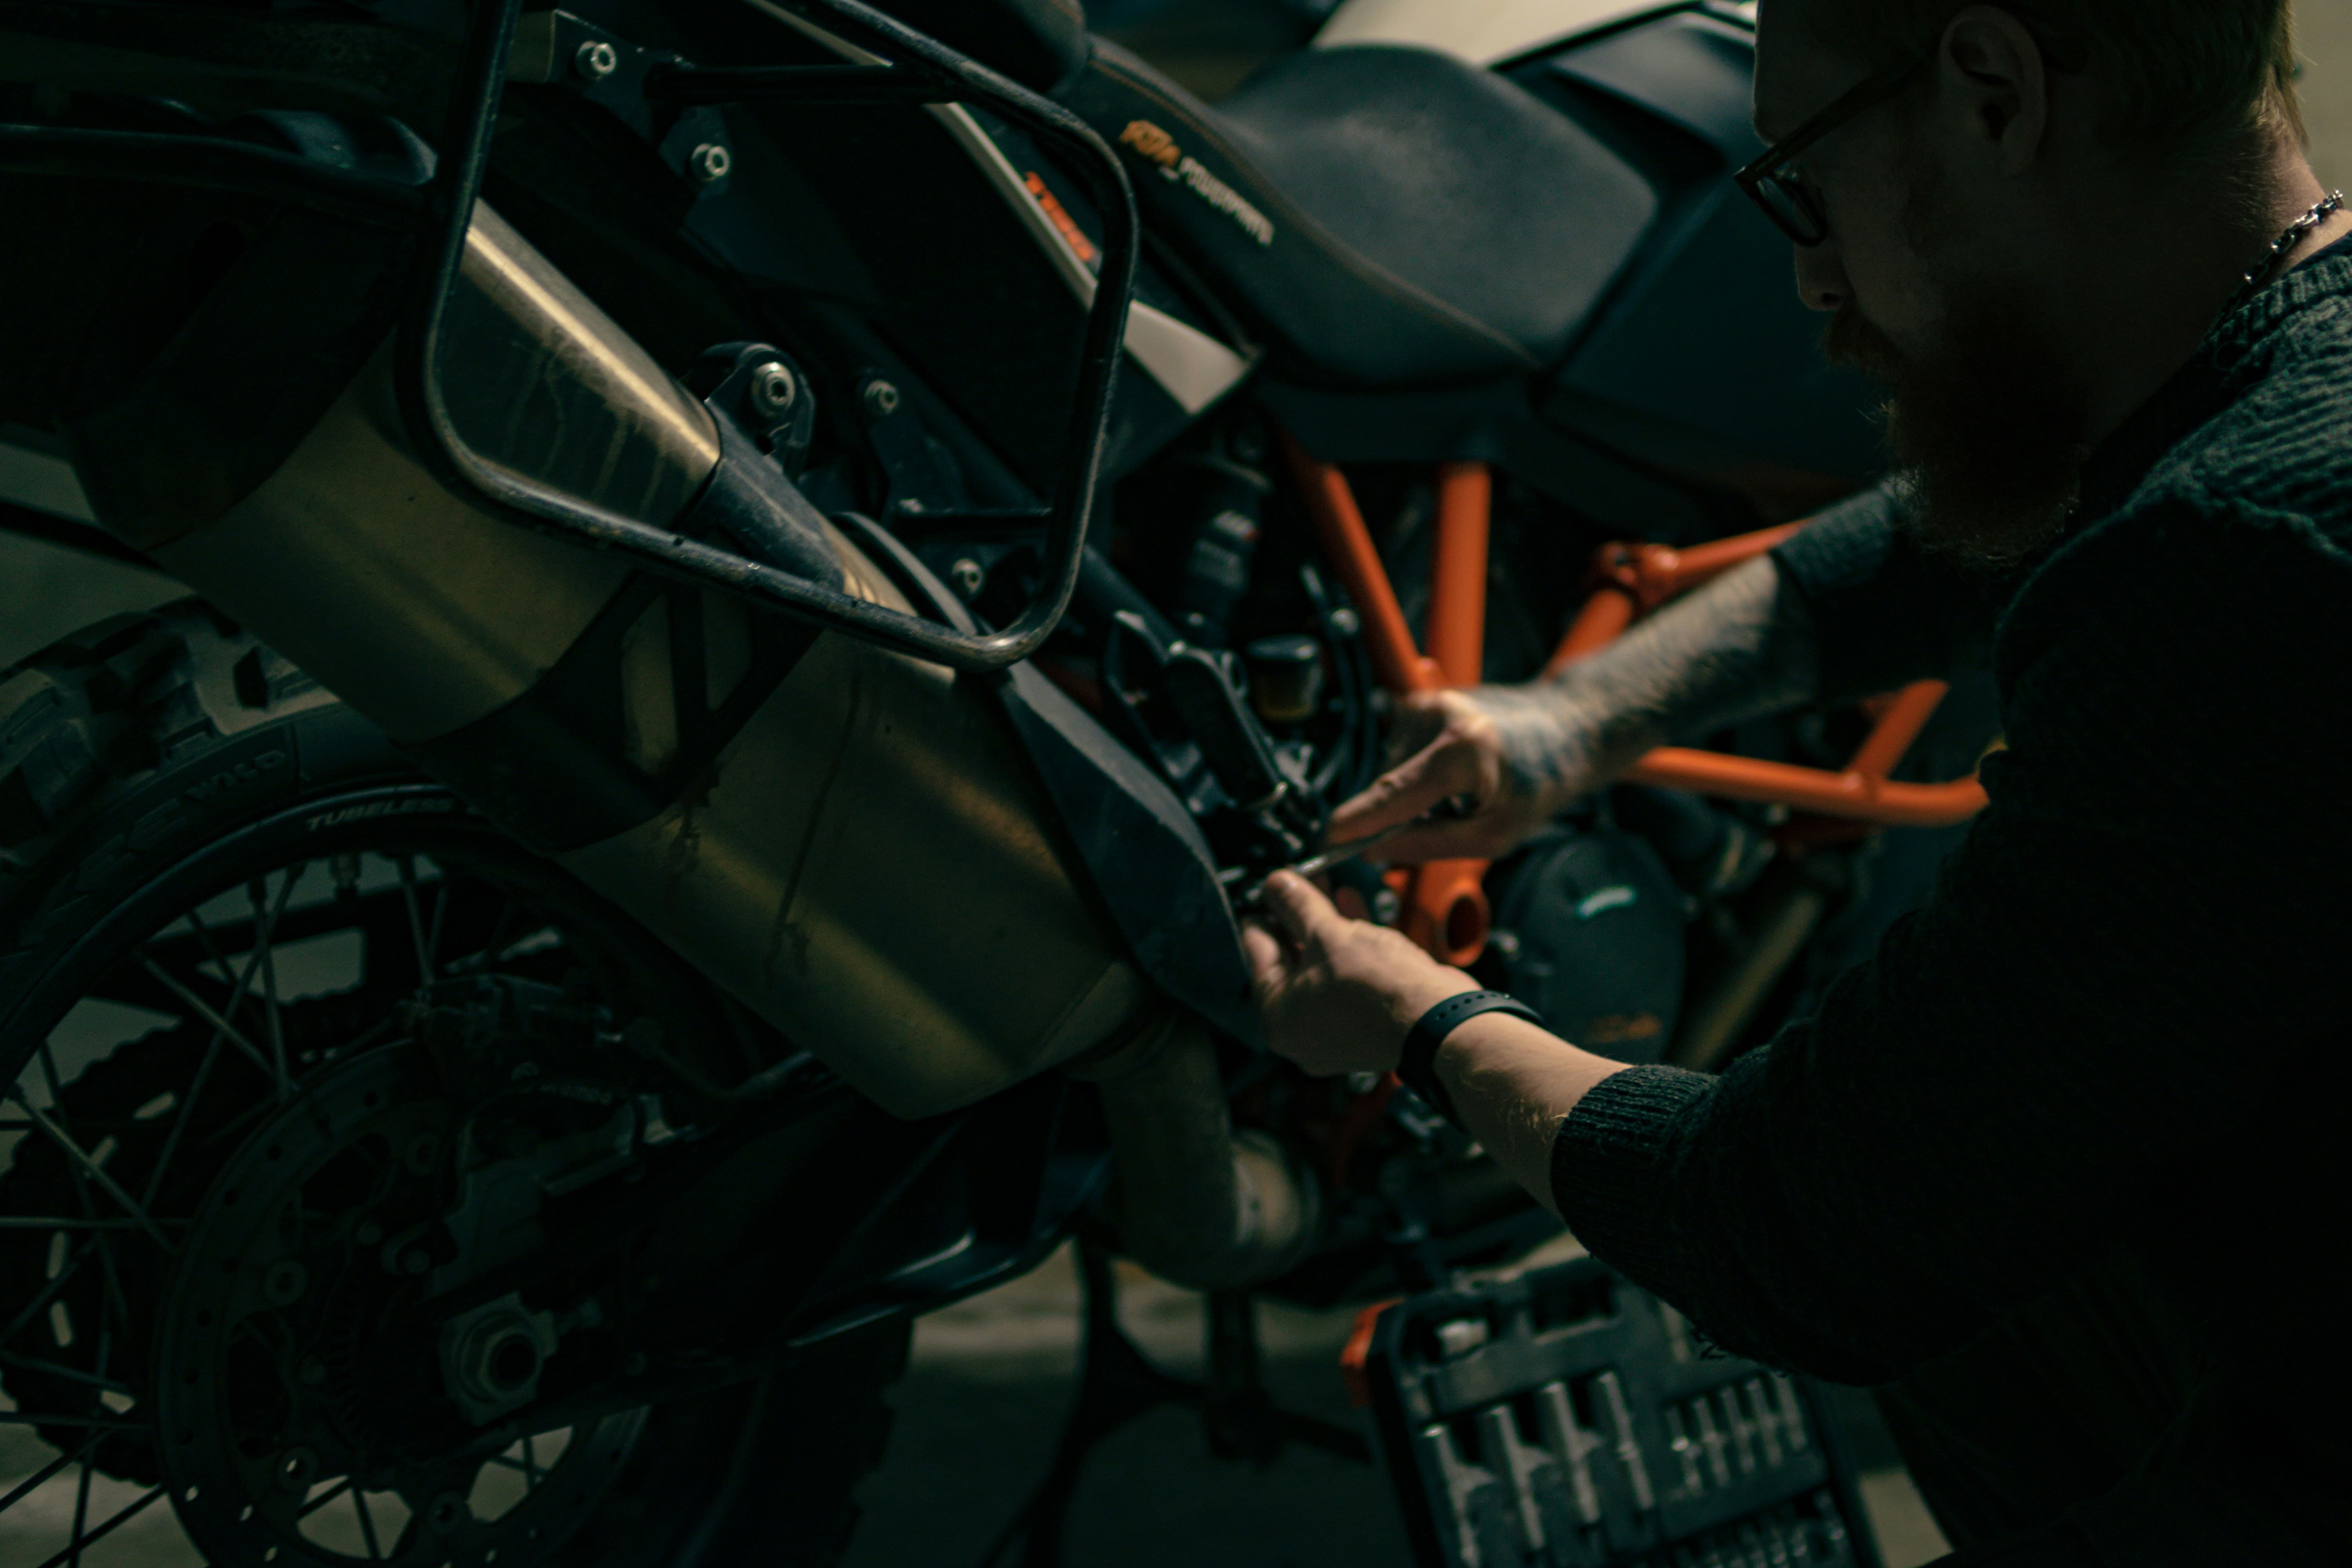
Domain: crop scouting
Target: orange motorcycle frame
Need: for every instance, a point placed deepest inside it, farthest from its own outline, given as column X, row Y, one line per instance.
column 1444, row 902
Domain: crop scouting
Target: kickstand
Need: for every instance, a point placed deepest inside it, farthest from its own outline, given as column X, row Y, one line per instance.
column 1240, row 1419
column 1116, row 1384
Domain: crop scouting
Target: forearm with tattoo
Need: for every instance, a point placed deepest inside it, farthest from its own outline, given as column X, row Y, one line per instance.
column 1741, row 647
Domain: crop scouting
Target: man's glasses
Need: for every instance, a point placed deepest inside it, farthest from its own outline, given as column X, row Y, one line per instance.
column 1793, row 206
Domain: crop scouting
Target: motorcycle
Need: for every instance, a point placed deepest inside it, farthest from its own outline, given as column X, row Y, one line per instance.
column 766, row 573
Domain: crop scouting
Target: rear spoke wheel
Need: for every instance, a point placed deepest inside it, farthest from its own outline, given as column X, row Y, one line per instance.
column 126, row 1107
column 200, row 928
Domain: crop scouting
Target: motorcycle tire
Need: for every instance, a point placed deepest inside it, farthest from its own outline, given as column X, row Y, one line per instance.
column 147, row 764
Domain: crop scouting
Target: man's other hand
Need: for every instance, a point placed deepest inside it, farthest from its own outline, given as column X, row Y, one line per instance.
column 1339, row 994
column 1519, row 755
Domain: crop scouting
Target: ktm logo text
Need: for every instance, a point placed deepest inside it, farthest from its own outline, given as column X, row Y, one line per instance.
column 1156, row 145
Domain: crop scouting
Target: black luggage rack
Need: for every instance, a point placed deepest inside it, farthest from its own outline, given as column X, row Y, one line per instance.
column 1567, row 1419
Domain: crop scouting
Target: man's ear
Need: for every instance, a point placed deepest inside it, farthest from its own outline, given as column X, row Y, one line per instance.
column 1996, row 85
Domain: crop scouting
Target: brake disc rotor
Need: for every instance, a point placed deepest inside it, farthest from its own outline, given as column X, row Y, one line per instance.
column 127, row 1105
column 299, row 1370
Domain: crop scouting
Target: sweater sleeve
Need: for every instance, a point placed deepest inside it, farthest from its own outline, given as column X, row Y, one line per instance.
column 2138, row 943
column 1885, row 612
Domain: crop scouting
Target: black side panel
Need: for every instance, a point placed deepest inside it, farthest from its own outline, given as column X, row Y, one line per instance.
column 1149, row 861
column 1144, row 854
column 958, row 286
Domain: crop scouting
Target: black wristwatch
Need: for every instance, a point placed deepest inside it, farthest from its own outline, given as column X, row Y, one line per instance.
column 1417, row 1066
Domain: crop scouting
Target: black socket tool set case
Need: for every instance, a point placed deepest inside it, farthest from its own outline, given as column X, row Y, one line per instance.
column 1567, row 1419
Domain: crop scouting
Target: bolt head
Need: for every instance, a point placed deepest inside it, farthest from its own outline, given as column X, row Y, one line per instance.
column 510, row 1361
column 294, row 1470
column 708, row 164
column 967, row 577
column 416, row 1261
column 773, row 389
column 285, row 1282
column 1344, row 622
column 597, row 59
column 881, row 398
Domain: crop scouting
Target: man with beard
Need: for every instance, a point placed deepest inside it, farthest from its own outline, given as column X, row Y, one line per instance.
column 2057, row 1169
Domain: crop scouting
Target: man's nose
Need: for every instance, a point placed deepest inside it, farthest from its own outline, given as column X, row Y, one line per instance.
column 1821, row 276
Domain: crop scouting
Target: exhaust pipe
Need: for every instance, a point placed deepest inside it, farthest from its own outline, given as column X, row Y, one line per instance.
column 764, row 798
column 1193, row 1201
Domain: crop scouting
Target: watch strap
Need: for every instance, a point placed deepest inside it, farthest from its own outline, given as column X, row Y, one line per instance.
column 1417, row 1063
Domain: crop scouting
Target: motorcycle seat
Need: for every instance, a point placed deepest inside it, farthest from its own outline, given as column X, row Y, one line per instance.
column 1384, row 217
column 1380, row 217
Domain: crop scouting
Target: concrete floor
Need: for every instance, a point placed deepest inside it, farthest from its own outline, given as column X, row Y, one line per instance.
column 990, row 1384
column 983, row 1402
column 979, row 1412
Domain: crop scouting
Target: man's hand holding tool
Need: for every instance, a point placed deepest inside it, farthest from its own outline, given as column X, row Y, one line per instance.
column 1455, row 809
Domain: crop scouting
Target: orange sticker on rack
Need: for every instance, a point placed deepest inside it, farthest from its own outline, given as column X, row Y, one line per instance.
column 1059, row 217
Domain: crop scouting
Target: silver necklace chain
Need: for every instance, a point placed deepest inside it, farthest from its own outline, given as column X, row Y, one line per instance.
column 2296, row 232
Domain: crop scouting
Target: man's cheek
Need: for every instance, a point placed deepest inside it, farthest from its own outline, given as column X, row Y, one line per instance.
column 1893, row 277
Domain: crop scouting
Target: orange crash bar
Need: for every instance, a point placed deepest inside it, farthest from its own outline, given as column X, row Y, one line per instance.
column 1630, row 580
column 1445, row 908
column 1605, row 617
column 1856, row 796
column 1457, row 576
column 1445, row 901
column 1703, row 563
column 1348, row 546
column 1899, row 723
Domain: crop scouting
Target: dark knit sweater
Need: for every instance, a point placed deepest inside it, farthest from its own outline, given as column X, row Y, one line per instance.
column 2123, row 1016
